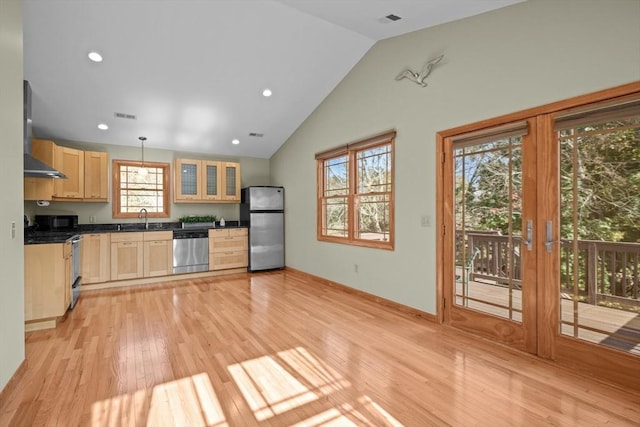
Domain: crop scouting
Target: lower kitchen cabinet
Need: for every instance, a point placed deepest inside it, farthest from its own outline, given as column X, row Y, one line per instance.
column 96, row 258
column 127, row 258
column 141, row 254
column 47, row 280
column 228, row 248
column 158, row 253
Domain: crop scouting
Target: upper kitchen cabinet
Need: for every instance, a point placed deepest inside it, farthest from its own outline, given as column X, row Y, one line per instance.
column 206, row 181
column 211, row 181
column 230, row 182
column 96, row 176
column 188, row 181
column 70, row 162
column 87, row 174
column 41, row 188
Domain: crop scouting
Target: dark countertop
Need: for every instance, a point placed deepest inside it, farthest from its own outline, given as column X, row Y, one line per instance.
column 33, row 237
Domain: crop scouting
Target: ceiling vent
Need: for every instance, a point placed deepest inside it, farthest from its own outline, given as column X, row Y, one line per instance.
column 393, row 17
column 257, row 135
column 125, row 116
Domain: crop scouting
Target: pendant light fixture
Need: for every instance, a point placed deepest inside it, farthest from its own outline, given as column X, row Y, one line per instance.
column 142, row 139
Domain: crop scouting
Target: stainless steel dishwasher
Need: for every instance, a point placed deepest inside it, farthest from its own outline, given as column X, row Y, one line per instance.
column 190, row 251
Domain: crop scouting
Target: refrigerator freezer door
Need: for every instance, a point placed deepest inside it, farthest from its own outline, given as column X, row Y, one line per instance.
column 266, row 241
column 266, row 198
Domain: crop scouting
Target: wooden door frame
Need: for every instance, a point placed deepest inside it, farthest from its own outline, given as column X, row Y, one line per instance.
column 614, row 366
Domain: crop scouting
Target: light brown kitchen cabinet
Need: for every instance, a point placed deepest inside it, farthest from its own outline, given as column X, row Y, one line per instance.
column 87, row 174
column 127, row 259
column 206, row 181
column 70, row 162
column 187, row 180
column 40, row 188
column 47, row 280
column 228, row 248
column 96, row 176
column 96, row 257
column 158, row 253
column 211, row 181
column 230, row 182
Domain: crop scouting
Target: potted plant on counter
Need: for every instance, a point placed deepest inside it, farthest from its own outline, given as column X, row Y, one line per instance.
column 195, row 221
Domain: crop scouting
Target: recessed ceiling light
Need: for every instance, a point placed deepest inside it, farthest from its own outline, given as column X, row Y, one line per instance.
column 95, row 56
column 235, row 142
column 266, row 92
column 103, row 126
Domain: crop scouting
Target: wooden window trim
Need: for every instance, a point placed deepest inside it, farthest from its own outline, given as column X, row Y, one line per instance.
column 116, row 205
column 351, row 150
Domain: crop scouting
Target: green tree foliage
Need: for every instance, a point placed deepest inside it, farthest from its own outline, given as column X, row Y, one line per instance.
column 489, row 186
column 600, row 172
column 371, row 198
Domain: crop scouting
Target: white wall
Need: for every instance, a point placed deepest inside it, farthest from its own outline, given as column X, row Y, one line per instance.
column 253, row 171
column 11, row 165
column 499, row 62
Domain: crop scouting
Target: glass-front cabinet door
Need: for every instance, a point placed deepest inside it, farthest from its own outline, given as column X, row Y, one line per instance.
column 202, row 181
column 231, row 181
column 211, row 179
column 188, row 180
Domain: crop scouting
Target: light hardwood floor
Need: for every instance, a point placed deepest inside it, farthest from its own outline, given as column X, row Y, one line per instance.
column 280, row 349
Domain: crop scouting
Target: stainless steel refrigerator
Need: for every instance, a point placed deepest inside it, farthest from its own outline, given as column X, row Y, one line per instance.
column 262, row 210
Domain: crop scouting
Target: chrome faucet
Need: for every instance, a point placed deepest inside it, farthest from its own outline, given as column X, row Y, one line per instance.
column 146, row 217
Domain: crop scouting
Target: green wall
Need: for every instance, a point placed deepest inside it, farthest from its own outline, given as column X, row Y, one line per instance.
column 11, row 165
column 496, row 63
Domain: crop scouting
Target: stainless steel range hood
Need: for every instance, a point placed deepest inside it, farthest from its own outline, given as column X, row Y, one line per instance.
column 32, row 166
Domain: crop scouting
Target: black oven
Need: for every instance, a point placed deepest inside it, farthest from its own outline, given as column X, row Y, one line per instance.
column 56, row 222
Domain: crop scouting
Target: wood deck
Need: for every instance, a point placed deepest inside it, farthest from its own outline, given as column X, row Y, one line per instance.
column 284, row 349
column 607, row 326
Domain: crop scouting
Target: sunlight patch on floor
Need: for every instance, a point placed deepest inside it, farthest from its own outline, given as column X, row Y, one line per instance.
column 268, row 388
column 187, row 401
column 275, row 384
column 366, row 412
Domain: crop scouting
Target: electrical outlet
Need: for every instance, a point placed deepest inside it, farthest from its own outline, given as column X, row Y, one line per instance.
column 355, row 267
column 13, row 229
column 425, row 221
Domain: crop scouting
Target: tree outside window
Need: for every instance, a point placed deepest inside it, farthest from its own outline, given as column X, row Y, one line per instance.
column 355, row 193
column 137, row 186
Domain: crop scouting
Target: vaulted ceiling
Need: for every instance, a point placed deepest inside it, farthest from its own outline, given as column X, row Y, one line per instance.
column 189, row 75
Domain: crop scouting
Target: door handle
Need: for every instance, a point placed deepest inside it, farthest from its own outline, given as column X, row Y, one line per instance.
column 529, row 235
column 549, row 237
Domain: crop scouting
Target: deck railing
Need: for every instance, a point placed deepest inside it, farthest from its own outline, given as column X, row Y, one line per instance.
column 608, row 273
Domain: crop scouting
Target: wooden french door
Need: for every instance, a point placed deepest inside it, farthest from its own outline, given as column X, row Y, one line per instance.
column 490, row 282
column 540, row 241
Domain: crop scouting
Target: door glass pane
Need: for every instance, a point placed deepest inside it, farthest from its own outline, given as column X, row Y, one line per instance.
column 488, row 224
column 600, row 230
